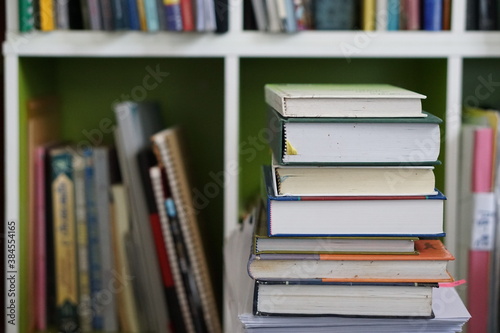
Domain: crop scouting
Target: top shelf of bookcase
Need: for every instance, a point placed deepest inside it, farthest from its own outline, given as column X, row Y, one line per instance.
column 255, row 44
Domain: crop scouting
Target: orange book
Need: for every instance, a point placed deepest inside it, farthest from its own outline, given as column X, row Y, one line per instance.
column 428, row 265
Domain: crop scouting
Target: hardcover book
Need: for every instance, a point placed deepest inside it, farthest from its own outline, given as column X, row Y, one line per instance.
column 343, row 100
column 65, row 251
column 262, row 243
column 313, row 298
column 429, row 265
column 353, row 180
column 353, row 215
column 360, row 141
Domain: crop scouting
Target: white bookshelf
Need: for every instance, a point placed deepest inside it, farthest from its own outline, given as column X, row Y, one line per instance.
column 454, row 46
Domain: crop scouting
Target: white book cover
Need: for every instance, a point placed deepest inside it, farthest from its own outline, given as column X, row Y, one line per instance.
column 343, row 100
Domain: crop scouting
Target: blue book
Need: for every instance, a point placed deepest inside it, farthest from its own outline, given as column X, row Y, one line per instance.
column 352, row 215
column 133, row 15
column 95, row 267
column 393, row 9
column 433, row 15
column 173, row 16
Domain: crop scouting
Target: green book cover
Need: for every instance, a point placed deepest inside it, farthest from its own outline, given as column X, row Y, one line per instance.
column 26, row 15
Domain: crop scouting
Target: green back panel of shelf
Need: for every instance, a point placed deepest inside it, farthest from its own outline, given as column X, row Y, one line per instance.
column 481, row 83
column 426, row 76
column 191, row 94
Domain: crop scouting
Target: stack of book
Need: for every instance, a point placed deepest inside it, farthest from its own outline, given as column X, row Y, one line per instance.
column 351, row 218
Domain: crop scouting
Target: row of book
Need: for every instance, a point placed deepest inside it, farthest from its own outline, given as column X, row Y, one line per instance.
column 109, row 15
column 293, row 15
column 479, row 234
column 345, row 231
column 116, row 245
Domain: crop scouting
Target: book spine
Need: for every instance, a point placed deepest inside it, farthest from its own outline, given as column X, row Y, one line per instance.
column 26, row 15
column 210, row 24
column 141, row 12
column 75, row 14
column 336, row 15
column 186, row 265
column 411, row 14
column 47, row 19
column 133, row 15
column 260, row 14
column 221, row 15
column 482, row 242
column 393, row 10
column 274, row 19
column 433, row 15
column 107, row 15
column 85, row 313
column 177, row 299
column 102, row 196
column 471, row 16
column 381, row 15
column 487, row 15
column 291, row 21
column 127, row 310
column 173, row 15
column 187, row 12
column 447, row 15
column 95, row 268
column 95, row 14
column 64, row 225
column 40, row 241
column 119, row 15
column 62, row 15
column 153, row 23
column 368, row 11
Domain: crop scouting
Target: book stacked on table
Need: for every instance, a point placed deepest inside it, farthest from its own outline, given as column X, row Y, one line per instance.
column 351, row 218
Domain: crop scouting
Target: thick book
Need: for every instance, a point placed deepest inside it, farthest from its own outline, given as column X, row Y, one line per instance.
column 343, row 100
column 410, row 15
column 136, row 122
column 353, row 215
column 353, row 180
column 429, row 265
column 169, row 150
column 317, row 298
column 65, row 245
column 47, row 15
column 262, row 243
column 349, row 141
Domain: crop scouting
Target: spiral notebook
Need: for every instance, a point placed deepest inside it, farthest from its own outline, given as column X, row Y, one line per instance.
column 168, row 149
